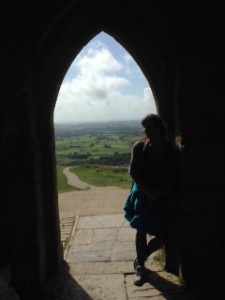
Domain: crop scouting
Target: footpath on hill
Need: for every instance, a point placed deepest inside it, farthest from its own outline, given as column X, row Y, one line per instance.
column 90, row 200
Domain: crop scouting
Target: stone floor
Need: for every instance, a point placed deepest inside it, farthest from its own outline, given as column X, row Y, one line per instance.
column 98, row 265
column 99, row 251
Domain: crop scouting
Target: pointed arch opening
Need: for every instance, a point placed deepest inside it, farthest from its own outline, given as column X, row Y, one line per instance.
column 102, row 99
column 62, row 43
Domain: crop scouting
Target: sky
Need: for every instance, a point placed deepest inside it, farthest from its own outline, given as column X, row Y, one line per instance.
column 103, row 83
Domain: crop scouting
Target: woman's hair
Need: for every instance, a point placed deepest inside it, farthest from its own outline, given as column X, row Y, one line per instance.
column 157, row 121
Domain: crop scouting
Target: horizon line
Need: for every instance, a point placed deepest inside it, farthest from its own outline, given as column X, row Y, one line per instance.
column 97, row 121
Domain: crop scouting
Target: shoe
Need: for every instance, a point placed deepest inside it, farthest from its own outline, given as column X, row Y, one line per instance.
column 139, row 278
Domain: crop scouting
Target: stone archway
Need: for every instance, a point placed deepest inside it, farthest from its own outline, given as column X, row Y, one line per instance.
column 57, row 51
column 180, row 49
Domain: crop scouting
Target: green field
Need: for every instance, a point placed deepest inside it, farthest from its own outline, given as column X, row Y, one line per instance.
column 95, row 175
column 93, row 148
column 62, row 185
column 98, row 153
column 96, row 143
column 103, row 175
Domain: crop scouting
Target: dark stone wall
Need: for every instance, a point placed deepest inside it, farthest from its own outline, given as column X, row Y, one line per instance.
column 202, row 111
column 180, row 48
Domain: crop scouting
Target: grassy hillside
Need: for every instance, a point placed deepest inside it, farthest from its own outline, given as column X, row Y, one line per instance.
column 62, row 185
column 98, row 152
column 95, row 175
column 103, row 175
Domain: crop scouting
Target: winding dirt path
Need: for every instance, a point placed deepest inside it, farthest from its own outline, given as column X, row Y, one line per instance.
column 74, row 180
column 91, row 201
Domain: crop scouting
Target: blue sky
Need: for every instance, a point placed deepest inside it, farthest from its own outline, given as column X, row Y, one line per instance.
column 103, row 83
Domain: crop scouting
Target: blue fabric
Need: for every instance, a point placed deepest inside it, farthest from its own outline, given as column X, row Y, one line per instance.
column 133, row 207
column 144, row 215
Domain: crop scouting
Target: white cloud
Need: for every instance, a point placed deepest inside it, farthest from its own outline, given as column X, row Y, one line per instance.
column 98, row 61
column 103, row 88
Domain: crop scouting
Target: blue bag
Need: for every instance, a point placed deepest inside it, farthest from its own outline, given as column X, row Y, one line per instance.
column 134, row 206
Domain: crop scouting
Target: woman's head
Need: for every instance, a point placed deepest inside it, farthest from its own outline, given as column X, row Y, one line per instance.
column 155, row 120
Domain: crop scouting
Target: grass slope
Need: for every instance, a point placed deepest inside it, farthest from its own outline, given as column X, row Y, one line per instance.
column 95, row 175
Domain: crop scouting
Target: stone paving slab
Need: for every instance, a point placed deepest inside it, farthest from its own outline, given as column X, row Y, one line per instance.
column 101, row 287
column 102, row 221
column 115, row 267
column 157, row 283
column 97, row 268
column 100, row 255
column 102, row 238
